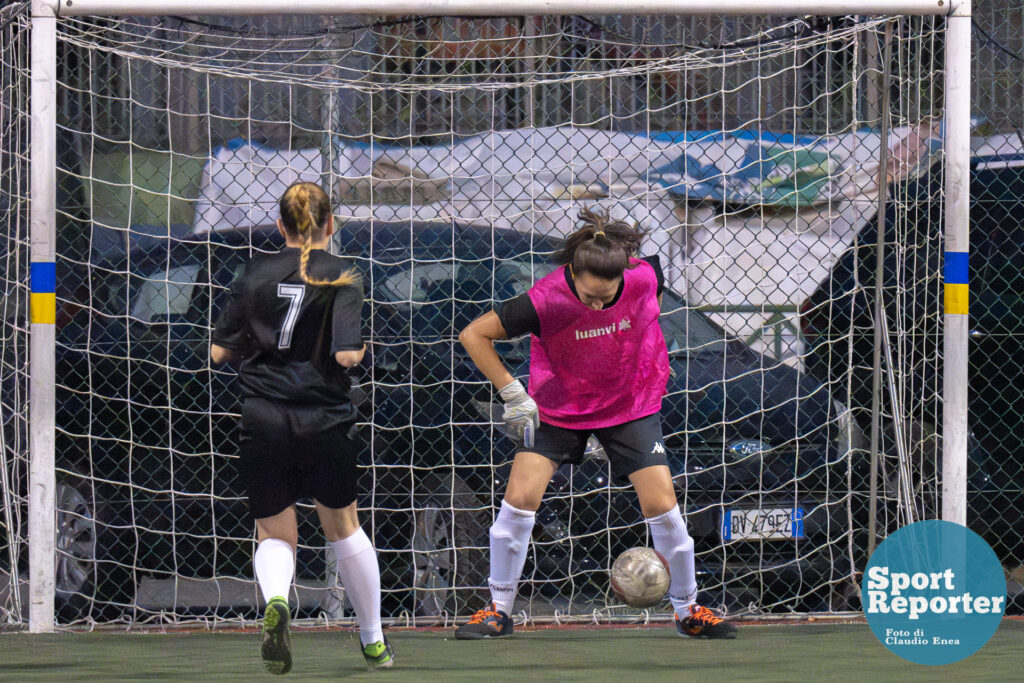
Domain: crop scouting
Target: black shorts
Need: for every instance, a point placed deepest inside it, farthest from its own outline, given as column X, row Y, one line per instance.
column 290, row 452
column 631, row 446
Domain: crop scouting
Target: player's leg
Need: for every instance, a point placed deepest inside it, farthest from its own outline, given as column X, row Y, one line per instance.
column 668, row 533
column 669, row 537
column 510, row 534
column 510, row 541
column 359, row 572
column 270, row 483
column 274, row 562
column 329, row 476
column 657, row 497
column 637, row 449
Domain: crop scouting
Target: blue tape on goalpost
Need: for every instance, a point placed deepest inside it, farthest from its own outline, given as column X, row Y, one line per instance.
column 43, row 300
column 955, row 273
column 955, row 270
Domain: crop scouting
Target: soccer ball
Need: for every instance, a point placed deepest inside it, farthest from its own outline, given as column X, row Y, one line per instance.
column 640, row 577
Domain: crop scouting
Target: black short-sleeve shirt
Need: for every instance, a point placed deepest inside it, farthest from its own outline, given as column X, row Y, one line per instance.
column 519, row 316
column 288, row 331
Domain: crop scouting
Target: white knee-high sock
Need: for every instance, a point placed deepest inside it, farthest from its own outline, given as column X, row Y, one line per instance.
column 274, row 562
column 510, row 541
column 360, row 575
column 668, row 532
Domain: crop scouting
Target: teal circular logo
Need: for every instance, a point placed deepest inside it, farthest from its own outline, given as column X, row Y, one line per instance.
column 933, row 592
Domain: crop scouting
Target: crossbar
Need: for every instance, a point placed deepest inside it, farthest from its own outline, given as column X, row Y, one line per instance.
column 507, row 8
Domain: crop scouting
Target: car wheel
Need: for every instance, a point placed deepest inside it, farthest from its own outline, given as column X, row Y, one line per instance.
column 450, row 541
column 90, row 582
column 78, row 549
column 75, row 539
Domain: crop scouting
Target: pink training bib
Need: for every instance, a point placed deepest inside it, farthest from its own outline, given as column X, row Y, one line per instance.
column 591, row 369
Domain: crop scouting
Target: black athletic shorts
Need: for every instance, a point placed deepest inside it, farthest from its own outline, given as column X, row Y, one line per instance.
column 290, row 452
column 630, row 446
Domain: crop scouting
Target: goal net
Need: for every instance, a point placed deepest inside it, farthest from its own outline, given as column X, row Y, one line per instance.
column 458, row 152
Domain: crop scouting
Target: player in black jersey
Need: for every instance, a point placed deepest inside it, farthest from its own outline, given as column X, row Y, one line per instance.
column 293, row 319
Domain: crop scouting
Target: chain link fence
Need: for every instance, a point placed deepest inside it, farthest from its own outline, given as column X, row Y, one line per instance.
column 458, row 153
column 997, row 266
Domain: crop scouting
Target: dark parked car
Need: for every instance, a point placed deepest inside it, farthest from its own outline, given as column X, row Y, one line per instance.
column 838, row 325
column 759, row 458
column 147, row 428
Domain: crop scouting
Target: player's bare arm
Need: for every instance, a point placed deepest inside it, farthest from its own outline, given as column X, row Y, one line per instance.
column 220, row 354
column 348, row 359
column 520, row 413
column 478, row 339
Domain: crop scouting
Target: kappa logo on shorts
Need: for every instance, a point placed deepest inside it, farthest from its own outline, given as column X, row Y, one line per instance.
column 659, row 448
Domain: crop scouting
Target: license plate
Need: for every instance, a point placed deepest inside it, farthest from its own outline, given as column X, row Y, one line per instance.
column 770, row 523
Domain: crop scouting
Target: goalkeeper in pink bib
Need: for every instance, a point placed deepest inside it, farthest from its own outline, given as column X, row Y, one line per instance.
column 598, row 366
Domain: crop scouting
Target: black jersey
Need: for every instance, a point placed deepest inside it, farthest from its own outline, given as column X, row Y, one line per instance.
column 288, row 331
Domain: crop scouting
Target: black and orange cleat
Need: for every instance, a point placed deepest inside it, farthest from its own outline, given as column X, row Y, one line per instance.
column 486, row 623
column 703, row 623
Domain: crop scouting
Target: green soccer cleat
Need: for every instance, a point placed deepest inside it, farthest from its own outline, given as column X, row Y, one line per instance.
column 703, row 623
column 277, row 640
column 379, row 655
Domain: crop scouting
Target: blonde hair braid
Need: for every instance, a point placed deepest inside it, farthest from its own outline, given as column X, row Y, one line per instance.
column 297, row 211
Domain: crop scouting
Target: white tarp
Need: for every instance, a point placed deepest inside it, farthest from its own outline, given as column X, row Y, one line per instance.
column 538, row 179
column 242, row 183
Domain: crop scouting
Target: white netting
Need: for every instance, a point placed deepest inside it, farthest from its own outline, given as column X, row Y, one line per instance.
column 14, row 339
column 458, row 152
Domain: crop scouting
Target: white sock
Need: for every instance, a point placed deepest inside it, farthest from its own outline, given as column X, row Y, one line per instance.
column 359, row 573
column 274, row 562
column 510, row 540
column 668, row 533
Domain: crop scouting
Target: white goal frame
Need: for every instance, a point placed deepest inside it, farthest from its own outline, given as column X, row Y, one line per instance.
column 43, row 179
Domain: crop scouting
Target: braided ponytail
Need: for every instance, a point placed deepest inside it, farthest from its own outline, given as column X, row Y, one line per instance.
column 305, row 210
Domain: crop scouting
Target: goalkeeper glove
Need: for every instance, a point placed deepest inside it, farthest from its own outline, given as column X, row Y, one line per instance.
column 520, row 414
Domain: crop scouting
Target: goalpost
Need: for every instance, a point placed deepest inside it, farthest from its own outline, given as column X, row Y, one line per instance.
column 637, row 106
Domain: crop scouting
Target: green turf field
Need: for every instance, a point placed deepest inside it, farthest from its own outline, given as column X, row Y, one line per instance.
column 778, row 652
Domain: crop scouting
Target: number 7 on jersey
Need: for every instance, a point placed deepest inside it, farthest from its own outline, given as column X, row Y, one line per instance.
column 294, row 293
